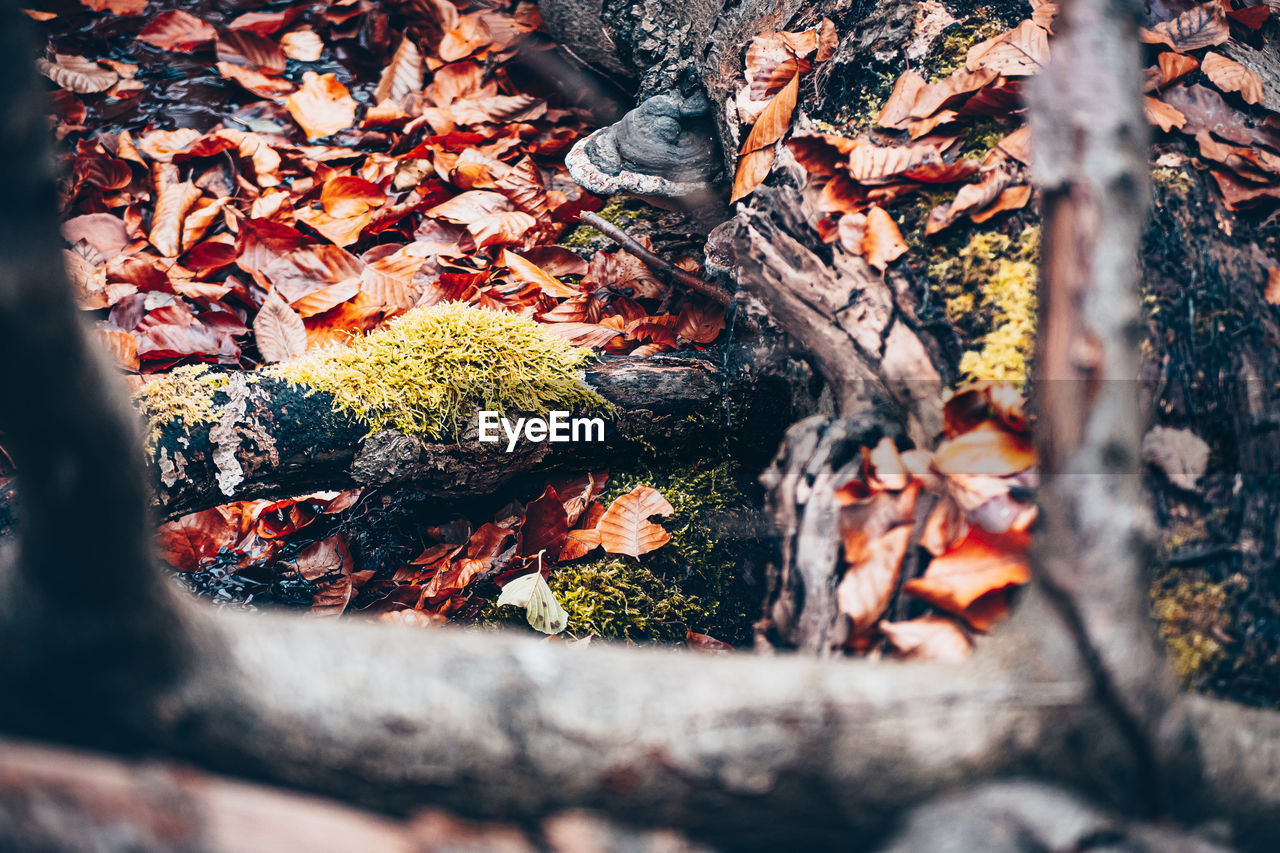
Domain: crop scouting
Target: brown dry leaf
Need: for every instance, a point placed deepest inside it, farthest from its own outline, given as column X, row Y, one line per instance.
column 881, row 240
column 768, row 129
column 1272, row 293
column 1162, row 115
column 1230, row 76
column 874, row 164
column 1182, row 455
column 885, row 466
column 77, row 74
column 1175, row 65
column 868, row 585
column 177, row 30
column 403, row 74
column 1020, row 52
column 245, row 47
column 979, row 564
column 328, row 561
column 173, row 201
column 700, row 321
column 1200, row 26
column 988, row 450
column 934, row 96
column 930, row 637
column 706, row 644
column 897, row 110
column 303, row 45
column 278, row 330
column 625, row 527
column 1014, row 198
column 320, row 301
column 323, row 106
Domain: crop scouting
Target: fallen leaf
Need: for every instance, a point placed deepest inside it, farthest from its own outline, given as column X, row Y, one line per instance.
column 753, row 165
column 1013, row 198
column 1272, row 293
column 979, row 564
column 882, row 241
column 1175, row 65
column 1021, row 51
column 173, row 202
column 1181, row 454
column 323, row 106
column 348, row 195
column 988, row 449
column 329, row 563
column 245, row 47
column 928, row 638
column 867, row 586
column 125, row 8
column 278, row 330
column 1162, row 115
column 402, row 75
column 625, row 527
column 1230, row 76
column 1200, row 26
column 302, row 45
column 706, row 643
column 545, row 526
column 542, row 610
column 177, row 30
column 77, row 74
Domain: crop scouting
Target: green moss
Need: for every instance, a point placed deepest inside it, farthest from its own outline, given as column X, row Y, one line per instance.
column 620, row 210
column 1192, row 616
column 980, row 137
column 623, row 599
column 989, row 290
column 184, row 394
column 947, row 53
column 692, row 582
column 427, row 371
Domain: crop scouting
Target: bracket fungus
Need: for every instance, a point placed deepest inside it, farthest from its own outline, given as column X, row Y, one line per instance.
column 664, row 151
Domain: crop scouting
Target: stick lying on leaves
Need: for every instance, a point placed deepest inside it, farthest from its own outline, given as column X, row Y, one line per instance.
column 663, row 267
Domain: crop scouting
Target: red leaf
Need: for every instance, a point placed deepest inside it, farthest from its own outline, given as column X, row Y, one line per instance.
column 177, row 30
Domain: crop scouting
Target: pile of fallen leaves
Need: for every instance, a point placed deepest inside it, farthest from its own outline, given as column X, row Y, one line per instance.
column 459, row 570
column 945, row 531
column 313, row 161
column 1198, row 89
column 915, row 143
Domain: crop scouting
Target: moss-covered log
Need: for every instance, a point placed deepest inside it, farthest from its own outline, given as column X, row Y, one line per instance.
column 263, row 435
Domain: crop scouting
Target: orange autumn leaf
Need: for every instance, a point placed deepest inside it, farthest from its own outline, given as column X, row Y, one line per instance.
column 328, row 562
column 527, row 271
column 1174, row 65
column 881, row 240
column 1013, row 198
column 867, row 586
column 930, row 637
column 987, row 449
column 403, row 75
column 323, row 106
column 753, row 167
column 579, row 543
column 1272, row 294
column 1230, row 76
column 348, row 195
column 978, row 565
column 124, row 8
column 625, row 527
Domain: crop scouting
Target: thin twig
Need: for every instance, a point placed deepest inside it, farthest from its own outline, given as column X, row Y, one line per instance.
column 659, row 265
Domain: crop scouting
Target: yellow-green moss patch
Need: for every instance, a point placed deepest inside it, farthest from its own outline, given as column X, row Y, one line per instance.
column 624, row 600
column 989, row 289
column 426, row 372
column 1175, row 180
column 185, row 394
column 1192, row 616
